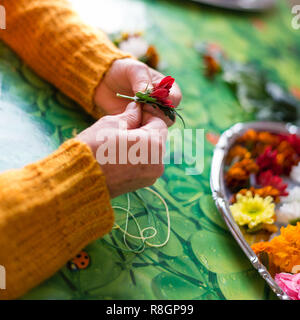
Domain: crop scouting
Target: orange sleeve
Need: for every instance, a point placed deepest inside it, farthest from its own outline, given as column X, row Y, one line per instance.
column 49, row 211
column 52, row 40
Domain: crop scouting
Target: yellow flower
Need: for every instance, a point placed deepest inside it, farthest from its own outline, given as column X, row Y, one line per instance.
column 253, row 210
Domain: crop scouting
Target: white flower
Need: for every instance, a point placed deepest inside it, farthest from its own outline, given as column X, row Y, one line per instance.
column 288, row 212
column 294, row 196
column 137, row 46
column 295, row 173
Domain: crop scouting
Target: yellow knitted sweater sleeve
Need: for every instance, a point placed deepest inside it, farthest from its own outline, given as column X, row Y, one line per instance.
column 53, row 41
column 53, row 208
column 49, row 211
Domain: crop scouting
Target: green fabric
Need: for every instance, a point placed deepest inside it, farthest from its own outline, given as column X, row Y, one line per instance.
column 201, row 260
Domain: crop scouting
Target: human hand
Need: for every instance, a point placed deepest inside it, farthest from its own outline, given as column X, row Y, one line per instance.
column 142, row 127
column 127, row 77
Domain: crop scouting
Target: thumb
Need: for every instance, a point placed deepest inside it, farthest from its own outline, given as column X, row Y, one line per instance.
column 132, row 116
column 151, row 122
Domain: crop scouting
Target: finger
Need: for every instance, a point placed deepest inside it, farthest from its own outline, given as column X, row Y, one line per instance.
column 151, row 122
column 158, row 113
column 132, row 116
column 175, row 93
column 139, row 77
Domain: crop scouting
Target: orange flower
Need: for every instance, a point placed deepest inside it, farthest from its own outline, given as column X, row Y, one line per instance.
column 250, row 136
column 268, row 138
column 239, row 173
column 262, row 192
column 287, row 157
column 257, row 141
column 283, row 250
column 152, row 57
column 238, row 152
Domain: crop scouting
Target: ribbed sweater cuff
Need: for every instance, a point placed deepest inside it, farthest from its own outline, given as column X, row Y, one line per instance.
column 49, row 211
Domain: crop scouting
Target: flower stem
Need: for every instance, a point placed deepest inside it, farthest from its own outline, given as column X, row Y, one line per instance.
column 126, row 97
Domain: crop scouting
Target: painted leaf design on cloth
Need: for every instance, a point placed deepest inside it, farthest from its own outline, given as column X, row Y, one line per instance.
column 218, row 253
column 168, row 286
column 208, row 207
column 242, row 285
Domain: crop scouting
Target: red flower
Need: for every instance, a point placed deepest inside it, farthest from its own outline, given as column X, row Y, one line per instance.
column 267, row 178
column 166, row 83
column 161, row 91
column 268, row 161
column 293, row 140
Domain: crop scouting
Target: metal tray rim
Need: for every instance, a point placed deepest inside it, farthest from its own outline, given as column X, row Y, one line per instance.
column 219, row 193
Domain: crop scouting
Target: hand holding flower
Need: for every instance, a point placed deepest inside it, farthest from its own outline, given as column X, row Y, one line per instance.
column 157, row 97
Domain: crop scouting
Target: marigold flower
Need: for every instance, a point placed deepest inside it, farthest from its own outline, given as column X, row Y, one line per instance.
column 267, row 178
column 287, row 157
column 253, row 211
column 212, row 55
column 283, row 250
column 268, row 138
column 152, row 57
column 239, row 173
column 293, row 140
column 238, row 152
column 264, row 192
column 250, row 136
column 256, row 141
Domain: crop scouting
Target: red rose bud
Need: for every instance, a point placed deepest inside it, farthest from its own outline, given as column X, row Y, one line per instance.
column 166, row 83
column 158, row 97
column 161, row 91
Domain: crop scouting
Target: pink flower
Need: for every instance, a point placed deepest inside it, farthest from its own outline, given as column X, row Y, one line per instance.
column 267, row 178
column 161, row 91
column 290, row 284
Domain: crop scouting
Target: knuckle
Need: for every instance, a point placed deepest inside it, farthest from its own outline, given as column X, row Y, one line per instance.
column 157, row 171
column 160, row 170
column 150, row 182
column 108, row 120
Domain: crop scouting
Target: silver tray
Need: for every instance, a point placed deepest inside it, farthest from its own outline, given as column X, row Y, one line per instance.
column 221, row 195
column 241, row 5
